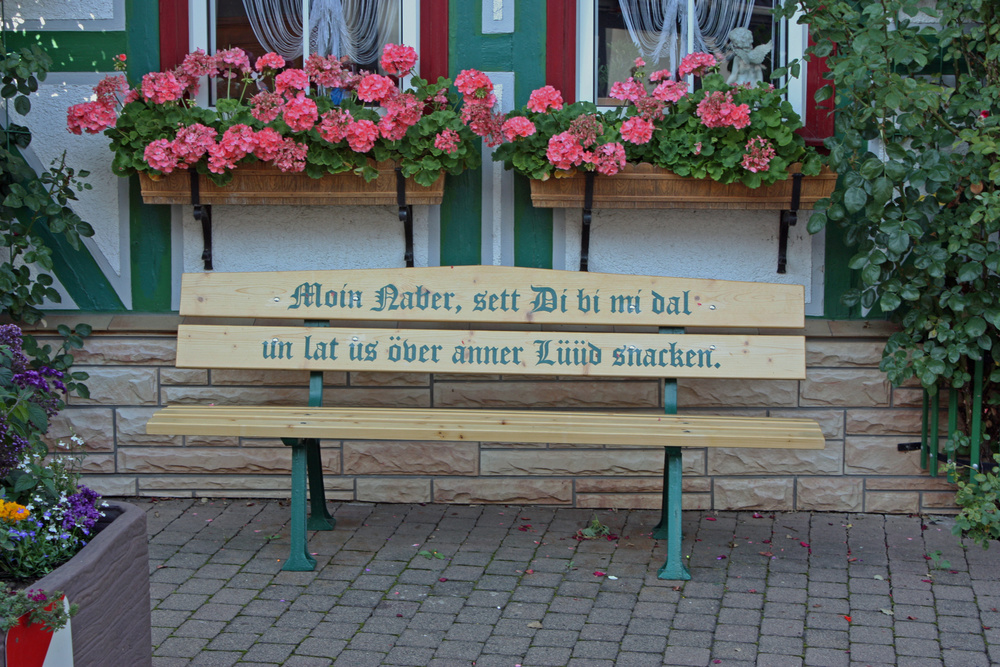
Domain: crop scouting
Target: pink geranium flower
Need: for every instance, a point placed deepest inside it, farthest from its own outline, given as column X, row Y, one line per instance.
column 375, row 88
column 268, row 143
column 697, row 64
column 629, row 90
column 291, row 156
column 333, row 125
column 718, row 110
column 328, row 71
column 160, row 156
column 300, row 114
column 90, row 117
column 398, row 59
column 545, row 98
column 447, row 140
column 362, row 135
column 265, row 106
column 670, row 91
column 518, row 126
column 192, row 142
column 198, row 64
column 232, row 63
column 564, row 151
column 609, row 159
column 161, row 87
column 291, row 82
column 637, row 131
column 474, row 85
column 269, row 61
column 759, row 154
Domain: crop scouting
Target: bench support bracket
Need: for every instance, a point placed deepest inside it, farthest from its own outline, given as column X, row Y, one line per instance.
column 788, row 219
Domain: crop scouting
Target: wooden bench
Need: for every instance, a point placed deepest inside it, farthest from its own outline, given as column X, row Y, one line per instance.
column 499, row 319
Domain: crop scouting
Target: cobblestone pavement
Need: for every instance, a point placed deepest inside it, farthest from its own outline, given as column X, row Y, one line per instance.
column 506, row 585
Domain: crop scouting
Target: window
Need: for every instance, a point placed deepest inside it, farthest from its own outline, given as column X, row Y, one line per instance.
column 359, row 30
column 666, row 31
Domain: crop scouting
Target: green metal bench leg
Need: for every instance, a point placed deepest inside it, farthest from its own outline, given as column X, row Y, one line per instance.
column 299, row 559
column 319, row 517
column 673, row 567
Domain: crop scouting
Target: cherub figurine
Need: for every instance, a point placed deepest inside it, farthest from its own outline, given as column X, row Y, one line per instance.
column 748, row 60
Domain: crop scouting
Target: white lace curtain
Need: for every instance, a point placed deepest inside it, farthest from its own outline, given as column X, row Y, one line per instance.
column 358, row 29
column 659, row 28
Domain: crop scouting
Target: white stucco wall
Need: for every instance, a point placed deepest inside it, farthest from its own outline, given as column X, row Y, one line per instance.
column 285, row 238
column 45, row 11
column 721, row 244
column 101, row 206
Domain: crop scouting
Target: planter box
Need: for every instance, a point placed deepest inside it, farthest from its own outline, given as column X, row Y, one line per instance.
column 264, row 184
column 109, row 579
column 646, row 186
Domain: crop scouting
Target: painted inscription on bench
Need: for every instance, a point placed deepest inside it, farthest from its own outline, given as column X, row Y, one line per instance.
column 540, row 299
column 540, row 350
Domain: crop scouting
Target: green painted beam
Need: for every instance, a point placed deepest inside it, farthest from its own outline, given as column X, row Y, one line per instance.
column 80, row 275
column 461, row 219
column 149, row 226
column 532, row 226
column 76, row 269
column 73, row 51
column 461, row 211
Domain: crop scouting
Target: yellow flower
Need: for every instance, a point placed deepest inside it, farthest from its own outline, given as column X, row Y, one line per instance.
column 13, row 512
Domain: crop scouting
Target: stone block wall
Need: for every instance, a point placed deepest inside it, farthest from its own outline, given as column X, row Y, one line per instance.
column 130, row 360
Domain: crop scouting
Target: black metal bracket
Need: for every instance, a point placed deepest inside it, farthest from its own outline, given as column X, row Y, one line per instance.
column 588, row 204
column 405, row 216
column 789, row 218
column 202, row 213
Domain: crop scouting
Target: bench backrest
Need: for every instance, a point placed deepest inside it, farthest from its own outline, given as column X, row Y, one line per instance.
column 589, row 320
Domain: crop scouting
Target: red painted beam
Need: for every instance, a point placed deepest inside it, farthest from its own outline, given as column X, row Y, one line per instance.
column 173, row 33
column 560, row 47
column 818, row 119
column 433, row 39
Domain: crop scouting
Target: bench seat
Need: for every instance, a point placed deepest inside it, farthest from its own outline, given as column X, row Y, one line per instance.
column 531, row 426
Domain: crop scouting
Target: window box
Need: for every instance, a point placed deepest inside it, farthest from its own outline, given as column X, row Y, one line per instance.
column 265, row 184
column 647, row 186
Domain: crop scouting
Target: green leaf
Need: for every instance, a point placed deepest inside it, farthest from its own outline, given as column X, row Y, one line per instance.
column 975, row 327
column 855, row 199
column 37, row 417
column 969, row 272
column 22, row 105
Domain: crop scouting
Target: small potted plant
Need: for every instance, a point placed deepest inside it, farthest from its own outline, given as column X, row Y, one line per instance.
column 719, row 146
column 319, row 121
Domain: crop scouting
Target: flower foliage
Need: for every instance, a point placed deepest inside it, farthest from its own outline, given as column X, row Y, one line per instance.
column 45, row 608
column 321, row 119
column 45, row 517
column 722, row 132
column 49, row 516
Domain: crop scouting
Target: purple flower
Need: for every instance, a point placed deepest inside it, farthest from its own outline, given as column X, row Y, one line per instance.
column 80, row 509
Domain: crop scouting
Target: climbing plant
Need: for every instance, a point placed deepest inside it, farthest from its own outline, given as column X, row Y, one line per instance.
column 916, row 146
column 34, row 206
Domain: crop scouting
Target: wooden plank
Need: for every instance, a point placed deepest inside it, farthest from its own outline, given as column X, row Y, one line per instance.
column 507, row 352
column 486, row 425
column 493, row 294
